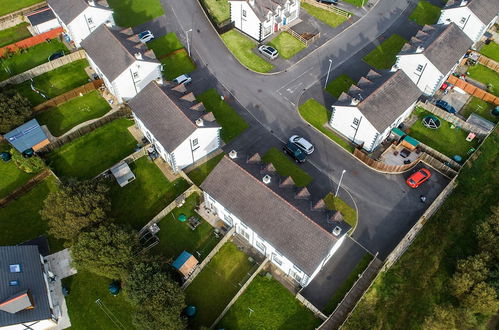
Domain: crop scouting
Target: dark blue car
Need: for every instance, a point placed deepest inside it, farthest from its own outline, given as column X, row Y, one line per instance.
column 446, row 106
column 294, row 151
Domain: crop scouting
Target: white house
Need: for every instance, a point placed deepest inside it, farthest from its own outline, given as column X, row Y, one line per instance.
column 42, row 20
column 432, row 55
column 474, row 17
column 260, row 18
column 181, row 133
column 285, row 235
column 80, row 17
column 369, row 110
column 122, row 61
column 25, row 298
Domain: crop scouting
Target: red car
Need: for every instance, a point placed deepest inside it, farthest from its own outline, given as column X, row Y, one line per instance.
column 418, row 178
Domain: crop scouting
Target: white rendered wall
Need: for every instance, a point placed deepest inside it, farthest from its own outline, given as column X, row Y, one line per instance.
column 80, row 27
column 464, row 18
column 428, row 80
column 249, row 24
column 187, row 153
column 46, row 26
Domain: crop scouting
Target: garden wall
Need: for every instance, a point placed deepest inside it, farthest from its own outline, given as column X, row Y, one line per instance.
column 16, row 17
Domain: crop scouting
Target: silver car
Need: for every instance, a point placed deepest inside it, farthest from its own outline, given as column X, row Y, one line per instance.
column 268, row 51
column 303, row 144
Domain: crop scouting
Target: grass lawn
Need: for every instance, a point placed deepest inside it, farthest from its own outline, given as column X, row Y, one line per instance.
column 20, row 220
column 491, row 51
column 486, row 76
column 8, row 6
column 165, row 45
column 219, row 10
column 155, row 192
column 383, row 56
column 339, row 85
column 14, row 34
column 481, row 108
column 217, row 283
column 318, row 116
column 274, row 308
column 12, row 177
column 227, row 117
column 425, row 13
column 177, row 64
column 394, row 301
column 62, row 118
column 287, row 45
column 89, row 155
column 444, row 139
column 357, row 3
column 29, row 58
column 241, row 47
column 285, row 166
column 176, row 236
column 200, row 173
column 84, row 289
column 337, row 204
column 324, row 15
column 135, row 12
column 55, row 82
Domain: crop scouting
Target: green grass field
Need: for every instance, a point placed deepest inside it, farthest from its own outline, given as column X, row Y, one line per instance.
column 339, row 85
column 274, row 308
column 227, row 117
column 62, row 118
column 14, row 34
column 491, row 51
column 12, row 177
column 486, row 76
column 383, row 56
column 337, row 204
column 165, row 45
column 481, row 108
column 177, row 64
column 89, row 155
column 135, row 12
column 219, row 10
column 323, row 15
column 200, row 173
column 241, row 47
column 8, row 6
column 425, row 13
column 285, row 166
column 287, row 45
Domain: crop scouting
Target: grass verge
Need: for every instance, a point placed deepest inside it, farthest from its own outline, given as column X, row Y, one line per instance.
column 165, row 45
column 324, row 15
column 337, row 204
column 14, row 34
column 135, row 12
column 286, row 167
column 176, row 64
column 219, row 10
column 200, row 173
column 8, row 6
column 383, row 56
column 339, row 85
column 287, row 45
column 425, row 13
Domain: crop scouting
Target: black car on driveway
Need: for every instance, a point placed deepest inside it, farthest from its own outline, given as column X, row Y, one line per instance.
column 294, row 151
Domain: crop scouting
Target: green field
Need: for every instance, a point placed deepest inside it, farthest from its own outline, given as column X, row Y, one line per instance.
column 491, row 51
column 481, row 108
column 325, row 16
column 219, row 10
column 337, row 204
column 200, row 173
column 8, row 6
column 285, row 166
column 425, row 13
column 165, row 45
column 177, row 64
column 339, row 85
column 287, row 45
column 383, row 56
column 135, row 12
column 14, row 34
column 487, row 76
column 12, row 177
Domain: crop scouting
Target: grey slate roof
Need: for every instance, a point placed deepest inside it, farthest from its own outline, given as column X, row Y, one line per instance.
column 383, row 97
column 68, row 10
column 41, row 16
column 262, row 7
column 485, row 10
column 290, row 231
column 26, row 136
column 123, row 174
column 30, row 278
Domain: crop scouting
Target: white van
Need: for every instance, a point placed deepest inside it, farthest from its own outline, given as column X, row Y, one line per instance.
column 183, row 79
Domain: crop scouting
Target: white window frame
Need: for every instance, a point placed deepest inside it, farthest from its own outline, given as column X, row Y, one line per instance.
column 244, row 13
column 419, row 68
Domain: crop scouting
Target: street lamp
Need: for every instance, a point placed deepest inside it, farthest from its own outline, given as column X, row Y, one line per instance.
column 328, row 70
column 339, row 184
column 188, row 45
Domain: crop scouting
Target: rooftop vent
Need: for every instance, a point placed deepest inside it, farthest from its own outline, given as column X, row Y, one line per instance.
column 138, row 56
column 355, row 101
column 200, row 122
column 337, row 231
column 91, row 2
column 266, row 179
column 420, row 49
column 233, row 154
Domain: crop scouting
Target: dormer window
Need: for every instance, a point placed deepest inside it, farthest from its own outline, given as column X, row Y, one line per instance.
column 244, row 13
column 90, row 20
column 419, row 68
column 15, row 268
column 135, row 74
column 463, row 20
column 14, row 283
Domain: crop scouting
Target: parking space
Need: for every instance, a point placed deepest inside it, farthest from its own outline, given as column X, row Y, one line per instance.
column 456, row 99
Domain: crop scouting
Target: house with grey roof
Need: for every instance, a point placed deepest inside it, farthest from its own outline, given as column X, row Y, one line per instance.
column 276, row 228
column 80, row 17
column 181, row 131
column 260, row 18
column 42, row 20
column 25, row 301
column 124, row 63
column 432, row 55
column 473, row 17
column 367, row 112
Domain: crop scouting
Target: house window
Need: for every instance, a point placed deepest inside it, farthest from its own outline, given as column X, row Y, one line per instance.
column 14, row 283
column 245, row 234
column 277, row 260
column 15, row 268
column 136, row 74
column 419, row 68
column 294, row 274
column 228, row 219
column 90, row 20
column 244, row 13
column 195, row 142
column 356, row 121
column 260, row 246
column 463, row 20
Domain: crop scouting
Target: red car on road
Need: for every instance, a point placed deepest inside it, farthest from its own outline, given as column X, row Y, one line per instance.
column 418, row 178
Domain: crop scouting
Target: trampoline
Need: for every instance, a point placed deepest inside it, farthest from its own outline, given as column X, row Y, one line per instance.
column 431, row 122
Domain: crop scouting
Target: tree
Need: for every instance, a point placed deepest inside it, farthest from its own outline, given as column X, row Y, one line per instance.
column 76, row 206
column 482, row 299
column 449, row 317
column 149, row 317
column 15, row 110
column 488, row 234
column 106, row 250
column 470, row 271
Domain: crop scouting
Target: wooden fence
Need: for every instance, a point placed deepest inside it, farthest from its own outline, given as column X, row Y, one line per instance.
column 305, row 41
column 489, row 63
column 380, row 166
column 473, row 90
column 15, row 17
column 53, row 102
column 25, row 187
column 31, row 41
column 330, row 8
column 41, row 69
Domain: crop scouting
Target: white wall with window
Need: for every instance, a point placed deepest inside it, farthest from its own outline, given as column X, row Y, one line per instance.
column 421, row 71
column 466, row 20
column 202, row 142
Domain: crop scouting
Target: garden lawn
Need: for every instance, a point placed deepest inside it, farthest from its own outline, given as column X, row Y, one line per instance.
column 444, row 139
column 408, row 292
column 217, row 283
column 175, row 236
column 274, row 308
column 8, row 6
column 14, row 34
column 383, row 56
column 287, row 45
column 84, row 289
column 227, row 117
column 348, row 284
column 165, row 45
column 358, row 3
column 486, row 76
column 324, row 15
column 337, row 204
column 425, row 13
column 155, row 192
column 481, row 108
column 491, row 51
column 12, row 177
column 339, row 85
column 318, row 116
column 94, row 152
column 176, row 64
column 55, row 82
column 219, row 10
column 241, row 47
column 135, row 12
column 285, row 166
column 29, row 58
column 62, row 118
column 20, row 220
column 200, row 173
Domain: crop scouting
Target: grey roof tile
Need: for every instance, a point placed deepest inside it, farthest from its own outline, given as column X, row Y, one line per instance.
column 68, row 10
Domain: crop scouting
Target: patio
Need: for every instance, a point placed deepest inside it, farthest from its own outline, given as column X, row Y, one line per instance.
column 393, row 155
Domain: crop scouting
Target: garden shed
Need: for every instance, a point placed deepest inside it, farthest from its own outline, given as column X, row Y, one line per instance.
column 185, row 263
column 27, row 136
column 123, row 174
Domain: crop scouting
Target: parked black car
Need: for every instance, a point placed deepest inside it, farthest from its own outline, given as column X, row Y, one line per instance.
column 294, row 151
column 329, row 2
column 446, row 106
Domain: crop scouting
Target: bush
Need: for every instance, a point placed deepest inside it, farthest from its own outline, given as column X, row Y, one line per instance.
column 32, row 164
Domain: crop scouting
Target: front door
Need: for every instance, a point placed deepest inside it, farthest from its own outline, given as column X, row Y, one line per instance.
column 284, row 21
column 276, row 27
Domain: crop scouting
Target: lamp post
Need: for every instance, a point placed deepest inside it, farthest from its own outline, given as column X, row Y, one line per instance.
column 328, row 70
column 339, row 184
column 188, row 45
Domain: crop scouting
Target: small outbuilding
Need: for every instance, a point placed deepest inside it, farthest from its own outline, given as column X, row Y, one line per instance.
column 43, row 20
column 185, row 264
column 123, row 174
column 29, row 135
